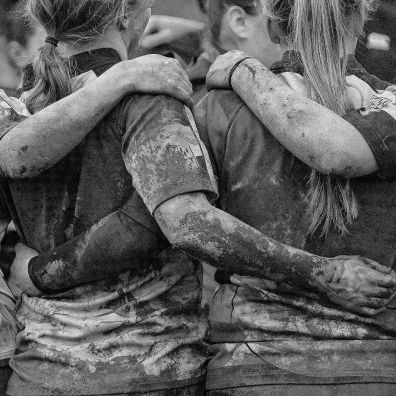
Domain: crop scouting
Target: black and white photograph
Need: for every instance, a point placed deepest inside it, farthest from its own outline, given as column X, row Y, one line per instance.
column 197, row 197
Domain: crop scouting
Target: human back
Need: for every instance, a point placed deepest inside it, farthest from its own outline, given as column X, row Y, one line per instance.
column 261, row 326
column 126, row 333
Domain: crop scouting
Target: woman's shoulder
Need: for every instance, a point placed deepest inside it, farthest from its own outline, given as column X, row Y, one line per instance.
column 222, row 116
column 220, row 107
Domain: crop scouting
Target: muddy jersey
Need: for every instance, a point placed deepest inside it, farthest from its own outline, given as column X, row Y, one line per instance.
column 261, row 331
column 137, row 332
column 8, row 326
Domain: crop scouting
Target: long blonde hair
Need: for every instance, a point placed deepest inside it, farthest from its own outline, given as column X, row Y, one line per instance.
column 68, row 21
column 319, row 30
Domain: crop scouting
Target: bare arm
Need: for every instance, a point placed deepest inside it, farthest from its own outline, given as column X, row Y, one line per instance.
column 125, row 240
column 163, row 29
column 30, row 147
column 314, row 134
column 193, row 225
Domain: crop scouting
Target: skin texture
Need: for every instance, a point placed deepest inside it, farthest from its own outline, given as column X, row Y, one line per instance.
column 336, row 148
column 358, row 284
column 83, row 259
column 40, row 141
column 207, row 233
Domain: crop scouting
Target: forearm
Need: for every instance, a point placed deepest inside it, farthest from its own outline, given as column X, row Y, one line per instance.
column 114, row 245
column 225, row 242
column 314, row 134
column 38, row 142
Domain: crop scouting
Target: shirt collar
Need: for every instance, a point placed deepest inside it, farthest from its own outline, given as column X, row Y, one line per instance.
column 98, row 60
column 291, row 62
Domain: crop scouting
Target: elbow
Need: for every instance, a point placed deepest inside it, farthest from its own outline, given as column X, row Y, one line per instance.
column 333, row 163
column 14, row 165
column 183, row 221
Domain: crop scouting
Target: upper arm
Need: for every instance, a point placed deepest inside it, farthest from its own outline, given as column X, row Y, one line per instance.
column 163, row 152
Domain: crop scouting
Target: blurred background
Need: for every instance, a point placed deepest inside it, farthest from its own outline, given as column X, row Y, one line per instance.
column 18, row 41
column 179, row 8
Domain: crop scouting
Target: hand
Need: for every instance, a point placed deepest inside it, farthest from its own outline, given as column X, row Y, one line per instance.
column 357, row 284
column 218, row 76
column 152, row 74
column 19, row 280
column 163, row 29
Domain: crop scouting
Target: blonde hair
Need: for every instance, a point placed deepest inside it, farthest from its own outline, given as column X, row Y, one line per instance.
column 69, row 21
column 319, row 30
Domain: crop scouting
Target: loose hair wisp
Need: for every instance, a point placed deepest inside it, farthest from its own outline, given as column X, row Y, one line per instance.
column 319, row 30
column 68, row 21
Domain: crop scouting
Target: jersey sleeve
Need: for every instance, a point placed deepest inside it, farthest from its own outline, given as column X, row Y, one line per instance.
column 377, row 124
column 213, row 119
column 163, row 152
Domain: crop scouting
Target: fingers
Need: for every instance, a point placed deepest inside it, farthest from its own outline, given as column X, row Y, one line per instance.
column 376, row 266
column 153, row 40
column 388, row 281
column 174, row 66
column 373, row 302
column 183, row 96
column 381, row 292
column 177, row 81
column 367, row 311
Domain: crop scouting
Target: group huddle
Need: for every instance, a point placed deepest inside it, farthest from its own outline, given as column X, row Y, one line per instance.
column 280, row 181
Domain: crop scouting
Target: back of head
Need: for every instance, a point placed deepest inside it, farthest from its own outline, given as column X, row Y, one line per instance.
column 72, row 22
column 216, row 10
column 320, row 31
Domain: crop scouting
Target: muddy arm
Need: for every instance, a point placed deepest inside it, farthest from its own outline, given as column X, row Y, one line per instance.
column 193, row 225
column 31, row 145
column 314, row 134
column 118, row 243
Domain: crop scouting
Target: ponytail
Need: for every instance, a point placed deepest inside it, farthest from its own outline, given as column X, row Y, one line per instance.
column 319, row 30
column 69, row 21
column 52, row 78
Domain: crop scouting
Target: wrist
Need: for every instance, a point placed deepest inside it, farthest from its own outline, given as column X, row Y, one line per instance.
column 322, row 274
column 247, row 72
column 234, row 69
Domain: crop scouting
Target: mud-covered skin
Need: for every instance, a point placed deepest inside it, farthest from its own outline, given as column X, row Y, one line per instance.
column 135, row 242
column 31, row 145
column 326, row 149
column 237, row 248
column 263, row 333
column 138, row 331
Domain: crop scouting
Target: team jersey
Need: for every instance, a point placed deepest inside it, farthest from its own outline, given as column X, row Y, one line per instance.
column 140, row 331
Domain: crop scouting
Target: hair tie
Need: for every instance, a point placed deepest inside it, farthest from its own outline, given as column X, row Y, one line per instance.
column 52, row 40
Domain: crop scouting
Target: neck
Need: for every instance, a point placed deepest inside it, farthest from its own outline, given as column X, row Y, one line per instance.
column 110, row 39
